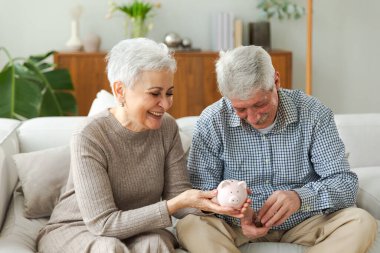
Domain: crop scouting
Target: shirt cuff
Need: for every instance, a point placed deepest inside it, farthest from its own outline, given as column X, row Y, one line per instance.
column 307, row 197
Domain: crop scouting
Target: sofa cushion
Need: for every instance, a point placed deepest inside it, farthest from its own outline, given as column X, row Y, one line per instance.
column 43, row 175
column 103, row 100
column 361, row 136
column 19, row 233
column 47, row 132
column 186, row 128
column 369, row 189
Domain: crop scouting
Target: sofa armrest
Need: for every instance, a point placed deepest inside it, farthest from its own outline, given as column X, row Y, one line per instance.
column 8, row 175
column 369, row 189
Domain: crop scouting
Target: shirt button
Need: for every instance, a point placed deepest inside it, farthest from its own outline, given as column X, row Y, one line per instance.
column 267, row 181
column 267, row 160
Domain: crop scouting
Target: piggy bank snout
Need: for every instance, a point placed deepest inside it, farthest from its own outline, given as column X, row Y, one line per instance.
column 234, row 200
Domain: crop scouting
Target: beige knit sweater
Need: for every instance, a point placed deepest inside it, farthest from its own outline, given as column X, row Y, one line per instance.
column 118, row 177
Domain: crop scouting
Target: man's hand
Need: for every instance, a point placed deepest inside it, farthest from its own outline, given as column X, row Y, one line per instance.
column 248, row 226
column 279, row 207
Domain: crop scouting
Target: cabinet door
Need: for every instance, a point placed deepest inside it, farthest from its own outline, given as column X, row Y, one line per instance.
column 194, row 83
column 88, row 75
column 282, row 62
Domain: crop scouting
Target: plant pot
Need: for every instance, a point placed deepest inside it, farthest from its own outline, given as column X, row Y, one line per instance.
column 137, row 28
column 259, row 34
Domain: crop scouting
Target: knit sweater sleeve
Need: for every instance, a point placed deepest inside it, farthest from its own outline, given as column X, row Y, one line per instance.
column 95, row 197
column 176, row 175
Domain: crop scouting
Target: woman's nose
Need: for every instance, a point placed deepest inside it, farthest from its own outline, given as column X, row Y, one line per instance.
column 166, row 103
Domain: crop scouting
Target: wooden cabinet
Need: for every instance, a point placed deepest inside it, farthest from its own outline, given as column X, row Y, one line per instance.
column 88, row 75
column 194, row 82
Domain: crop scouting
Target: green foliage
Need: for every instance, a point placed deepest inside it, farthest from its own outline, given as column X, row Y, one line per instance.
column 32, row 87
column 135, row 9
column 281, row 9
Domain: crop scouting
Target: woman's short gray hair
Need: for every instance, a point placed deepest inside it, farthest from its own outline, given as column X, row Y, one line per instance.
column 243, row 70
column 130, row 57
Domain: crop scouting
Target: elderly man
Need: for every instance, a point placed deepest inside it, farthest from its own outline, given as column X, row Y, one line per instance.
column 286, row 146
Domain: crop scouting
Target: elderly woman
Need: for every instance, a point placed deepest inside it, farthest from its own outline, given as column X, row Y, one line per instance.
column 128, row 170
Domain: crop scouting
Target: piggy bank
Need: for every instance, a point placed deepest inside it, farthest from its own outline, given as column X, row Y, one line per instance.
column 232, row 193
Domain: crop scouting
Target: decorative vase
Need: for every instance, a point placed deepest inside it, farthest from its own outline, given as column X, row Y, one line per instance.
column 91, row 43
column 259, row 34
column 137, row 27
column 74, row 43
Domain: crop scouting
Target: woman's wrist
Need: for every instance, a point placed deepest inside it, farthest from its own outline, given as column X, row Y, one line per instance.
column 174, row 204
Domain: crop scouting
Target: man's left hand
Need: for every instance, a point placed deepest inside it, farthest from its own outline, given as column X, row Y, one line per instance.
column 279, row 207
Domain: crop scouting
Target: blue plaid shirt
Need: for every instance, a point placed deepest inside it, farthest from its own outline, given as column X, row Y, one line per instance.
column 302, row 152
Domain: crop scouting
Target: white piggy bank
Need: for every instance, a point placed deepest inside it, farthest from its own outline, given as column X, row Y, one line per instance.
column 232, row 193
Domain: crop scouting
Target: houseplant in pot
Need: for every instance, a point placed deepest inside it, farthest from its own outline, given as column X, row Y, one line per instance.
column 31, row 87
column 259, row 32
column 138, row 16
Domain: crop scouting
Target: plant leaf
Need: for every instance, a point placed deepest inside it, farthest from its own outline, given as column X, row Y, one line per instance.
column 49, row 107
column 67, row 102
column 40, row 57
column 59, row 79
column 28, row 99
column 6, row 96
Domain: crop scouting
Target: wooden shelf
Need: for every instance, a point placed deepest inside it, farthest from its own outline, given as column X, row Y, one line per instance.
column 195, row 80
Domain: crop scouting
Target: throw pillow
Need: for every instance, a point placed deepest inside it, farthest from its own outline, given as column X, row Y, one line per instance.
column 103, row 100
column 43, row 175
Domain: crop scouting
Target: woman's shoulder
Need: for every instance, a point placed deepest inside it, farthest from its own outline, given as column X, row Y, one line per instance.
column 93, row 123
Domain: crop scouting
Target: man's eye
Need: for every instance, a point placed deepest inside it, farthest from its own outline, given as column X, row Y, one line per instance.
column 240, row 110
column 260, row 105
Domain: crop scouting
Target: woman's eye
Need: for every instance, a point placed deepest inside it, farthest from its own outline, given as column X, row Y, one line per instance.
column 169, row 94
column 155, row 94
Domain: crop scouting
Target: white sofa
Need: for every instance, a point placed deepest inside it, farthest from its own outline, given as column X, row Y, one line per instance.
column 360, row 132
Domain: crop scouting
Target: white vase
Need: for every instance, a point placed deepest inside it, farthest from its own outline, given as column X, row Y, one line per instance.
column 74, row 43
column 91, row 43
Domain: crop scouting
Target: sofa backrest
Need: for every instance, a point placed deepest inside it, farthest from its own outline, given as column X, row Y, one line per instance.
column 361, row 136
column 46, row 132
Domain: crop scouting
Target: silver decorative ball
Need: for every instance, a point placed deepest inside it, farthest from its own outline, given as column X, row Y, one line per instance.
column 186, row 43
column 172, row 39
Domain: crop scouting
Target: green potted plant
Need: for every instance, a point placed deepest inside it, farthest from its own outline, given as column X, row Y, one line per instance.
column 138, row 13
column 259, row 32
column 31, row 87
column 280, row 9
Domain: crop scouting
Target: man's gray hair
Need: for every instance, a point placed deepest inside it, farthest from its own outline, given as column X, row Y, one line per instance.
column 130, row 57
column 243, row 70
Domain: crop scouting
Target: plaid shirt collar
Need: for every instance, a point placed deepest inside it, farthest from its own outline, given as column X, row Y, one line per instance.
column 286, row 114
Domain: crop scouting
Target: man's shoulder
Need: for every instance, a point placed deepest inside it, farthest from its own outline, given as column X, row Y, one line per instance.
column 306, row 104
column 217, row 111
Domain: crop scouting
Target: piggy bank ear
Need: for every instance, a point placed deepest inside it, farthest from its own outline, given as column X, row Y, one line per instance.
column 224, row 184
column 243, row 184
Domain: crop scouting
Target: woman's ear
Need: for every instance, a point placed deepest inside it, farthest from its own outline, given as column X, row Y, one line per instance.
column 119, row 89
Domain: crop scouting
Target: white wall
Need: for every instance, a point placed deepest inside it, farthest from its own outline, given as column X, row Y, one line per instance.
column 345, row 42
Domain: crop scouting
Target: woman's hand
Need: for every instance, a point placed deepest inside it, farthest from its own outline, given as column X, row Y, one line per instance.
column 203, row 200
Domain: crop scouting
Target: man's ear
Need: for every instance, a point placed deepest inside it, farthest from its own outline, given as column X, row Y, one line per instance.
column 277, row 81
